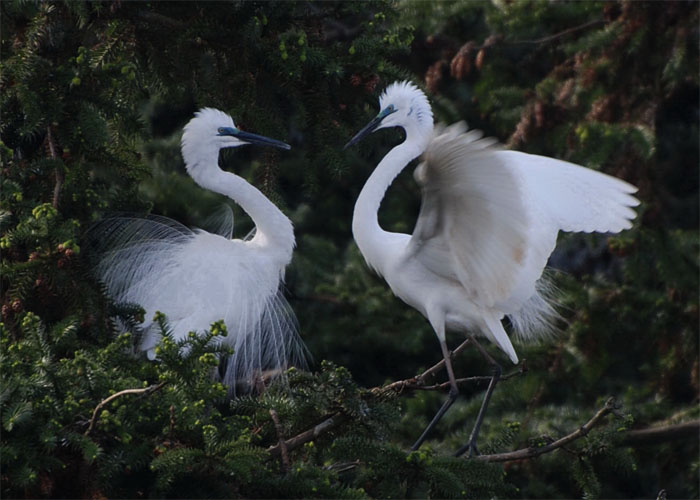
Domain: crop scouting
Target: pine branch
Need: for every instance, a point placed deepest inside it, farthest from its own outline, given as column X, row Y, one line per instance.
column 293, row 443
column 59, row 174
column 663, row 433
column 418, row 383
column 414, row 383
column 525, row 453
column 560, row 34
column 146, row 391
column 155, row 17
column 634, row 437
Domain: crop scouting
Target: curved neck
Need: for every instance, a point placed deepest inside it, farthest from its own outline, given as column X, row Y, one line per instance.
column 273, row 229
column 369, row 236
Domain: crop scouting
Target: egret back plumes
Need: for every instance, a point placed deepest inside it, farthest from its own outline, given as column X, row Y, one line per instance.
column 197, row 277
column 488, row 222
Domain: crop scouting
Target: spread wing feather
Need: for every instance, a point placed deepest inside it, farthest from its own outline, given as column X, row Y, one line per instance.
column 489, row 217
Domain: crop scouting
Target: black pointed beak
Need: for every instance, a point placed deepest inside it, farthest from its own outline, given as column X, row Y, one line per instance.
column 368, row 129
column 253, row 138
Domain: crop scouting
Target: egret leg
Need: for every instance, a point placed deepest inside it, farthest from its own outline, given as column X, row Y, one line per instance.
column 471, row 444
column 452, row 396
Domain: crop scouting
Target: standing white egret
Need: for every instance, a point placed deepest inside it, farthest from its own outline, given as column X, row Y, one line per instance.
column 488, row 222
column 195, row 277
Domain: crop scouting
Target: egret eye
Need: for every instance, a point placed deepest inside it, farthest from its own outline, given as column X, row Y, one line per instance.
column 221, row 130
column 391, row 108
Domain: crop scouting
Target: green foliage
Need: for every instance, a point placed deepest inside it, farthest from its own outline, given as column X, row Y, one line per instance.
column 94, row 96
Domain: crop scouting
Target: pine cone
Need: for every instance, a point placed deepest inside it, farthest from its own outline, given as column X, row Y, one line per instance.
column 565, row 92
column 17, row 305
column 371, row 84
column 539, row 112
column 602, row 109
column 480, row 57
column 434, row 75
column 461, row 64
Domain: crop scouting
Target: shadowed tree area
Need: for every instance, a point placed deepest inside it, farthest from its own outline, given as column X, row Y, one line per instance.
column 94, row 96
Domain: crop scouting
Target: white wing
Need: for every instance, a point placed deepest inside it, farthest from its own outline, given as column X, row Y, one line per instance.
column 489, row 217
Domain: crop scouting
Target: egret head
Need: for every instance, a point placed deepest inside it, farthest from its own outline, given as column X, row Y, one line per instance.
column 402, row 104
column 211, row 130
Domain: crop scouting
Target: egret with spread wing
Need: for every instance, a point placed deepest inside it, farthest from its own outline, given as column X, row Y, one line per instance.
column 195, row 277
column 488, row 222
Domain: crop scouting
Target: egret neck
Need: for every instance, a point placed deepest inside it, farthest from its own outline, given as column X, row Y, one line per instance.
column 370, row 237
column 273, row 229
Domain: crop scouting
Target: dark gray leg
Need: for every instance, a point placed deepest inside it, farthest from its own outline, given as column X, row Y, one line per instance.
column 448, row 402
column 471, row 444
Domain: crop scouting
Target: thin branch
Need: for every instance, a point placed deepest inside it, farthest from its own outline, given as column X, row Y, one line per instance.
column 525, row 453
column 414, row 383
column 157, row 18
column 284, row 456
column 58, row 172
column 568, row 31
column 664, row 433
column 440, row 364
column 445, row 386
column 146, row 391
column 293, row 443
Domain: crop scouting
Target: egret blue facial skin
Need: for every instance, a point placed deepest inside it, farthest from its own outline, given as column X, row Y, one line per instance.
column 371, row 126
column 488, row 222
column 197, row 278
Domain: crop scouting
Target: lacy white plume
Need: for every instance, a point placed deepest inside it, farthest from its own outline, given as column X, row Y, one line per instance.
column 157, row 263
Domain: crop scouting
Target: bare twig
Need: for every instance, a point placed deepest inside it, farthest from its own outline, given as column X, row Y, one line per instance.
column 546, row 39
column 418, row 383
column 58, row 172
column 525, row 453
column 145, row 391
column 284, row 456
column 568, row 31
column 172, row 420
column 445, row 386
column 664, row 433
column 414, row 383
column 440, row 364
column 154, row 17
column 293, row 443
column 343, row 466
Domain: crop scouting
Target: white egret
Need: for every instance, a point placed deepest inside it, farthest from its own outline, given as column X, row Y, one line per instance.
column 195, row 277
column 488, row 222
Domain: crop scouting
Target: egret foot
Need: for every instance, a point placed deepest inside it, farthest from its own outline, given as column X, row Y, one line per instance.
column 471, row 447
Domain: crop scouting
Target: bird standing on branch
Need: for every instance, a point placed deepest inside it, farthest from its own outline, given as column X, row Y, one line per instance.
column 488, row 222
column 195, row 277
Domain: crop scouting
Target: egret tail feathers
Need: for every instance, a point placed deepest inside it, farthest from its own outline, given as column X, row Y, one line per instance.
column 498, row 335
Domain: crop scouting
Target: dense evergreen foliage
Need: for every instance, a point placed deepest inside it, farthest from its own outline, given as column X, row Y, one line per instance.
column 94, row 96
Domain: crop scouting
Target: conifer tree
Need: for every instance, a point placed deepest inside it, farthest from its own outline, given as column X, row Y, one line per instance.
column 94, row 96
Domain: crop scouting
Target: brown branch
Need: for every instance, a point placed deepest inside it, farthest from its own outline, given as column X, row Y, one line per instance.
column 284, row 456
column 58, row 172
column 440, row 364
column 293, row 443
column 414, row 383
column 568, row 31
column 157, row 18
column 664, row 433
column 146, row 391
column 445, row 386
column 525, row 453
